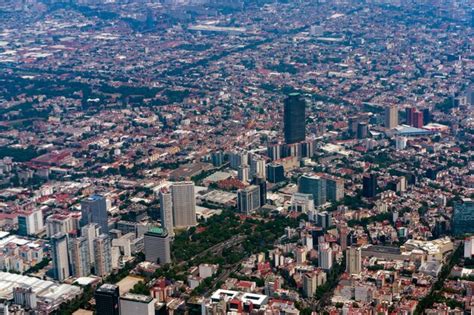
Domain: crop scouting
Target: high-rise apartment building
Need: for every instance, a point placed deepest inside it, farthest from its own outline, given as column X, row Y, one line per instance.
column 60, row 257
column 59, row 223
column 90, row 232
column 157, row 246
column 312, row 280
column 94, row 210
column 107, row 300
column 315, row 185
column 294, row 118
column 325, row 259
column 353, row 260
column 166, row 215
column 257, row 167
column 391, row 117
column 102, row 255
column 248, row 199
column 184, row 204
column 80, row 257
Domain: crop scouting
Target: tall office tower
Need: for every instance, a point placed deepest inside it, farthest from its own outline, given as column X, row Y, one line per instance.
column 102, row 255
column 463, row 217
column 30, row 222
column 59, row 253
column 334, row 188
column 157, row 246
column 80, row 257
column 275, row 173
column 257, row 167
column 107, row 300
column 369, row 185
column 426, row 116
column 262, row 184
column 315, row 185
column 217, row 158
column 362, row 130
column 166, row 207
column 417, row 119
column 325, row 256
column 248, row 199
column 90, row 232
column 243, row 173
column 294, row 118
column 391, row 117
column 184, row 204
column 409, row 115
column 135, row 304
column 353, row 260
column 353, row 124
column 302, row 202
column 94, row 210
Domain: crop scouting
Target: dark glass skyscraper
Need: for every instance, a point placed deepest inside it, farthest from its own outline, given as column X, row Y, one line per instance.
column 107, row 300
column 369, row 186
column 294, row 118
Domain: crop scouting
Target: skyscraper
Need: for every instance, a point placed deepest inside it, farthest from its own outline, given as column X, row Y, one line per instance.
column 463, row 217
column 79, row 254
column 353, row 260
column 391, row 116
column 325, row 256
column 426, row 116
column 90, row 232
column 369, row 186
column 275, row 173
column 157, row 246
column 248, row 199
column 184, row 204
column 294, row 118
column 94, row 210
column 409, row 115
column 315, row 185
column 166, row 207
column 243, row 173
column 262, row 183
column 59, row 254
column 257, row 167
column 102, row 255
column 334, row 188
column 417, row 119
column 107, row 300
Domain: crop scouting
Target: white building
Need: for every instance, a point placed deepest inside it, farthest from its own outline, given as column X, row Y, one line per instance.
column 135, row 304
